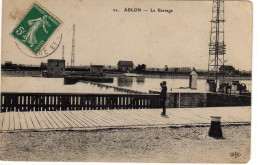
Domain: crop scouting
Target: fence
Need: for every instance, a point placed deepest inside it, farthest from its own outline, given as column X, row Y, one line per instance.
column 70, row 101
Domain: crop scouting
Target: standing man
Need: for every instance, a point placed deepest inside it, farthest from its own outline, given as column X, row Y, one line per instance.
column 163, row 97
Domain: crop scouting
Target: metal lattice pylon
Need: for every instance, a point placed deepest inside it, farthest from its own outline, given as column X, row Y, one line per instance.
column 217, row 46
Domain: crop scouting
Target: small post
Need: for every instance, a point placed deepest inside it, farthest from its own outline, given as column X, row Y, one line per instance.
column 193, row 79
column 215, row 128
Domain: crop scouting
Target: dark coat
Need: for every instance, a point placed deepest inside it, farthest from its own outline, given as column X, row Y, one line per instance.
column 163, row 94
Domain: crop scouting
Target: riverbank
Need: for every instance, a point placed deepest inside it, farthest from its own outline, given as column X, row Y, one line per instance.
column 129, row 145
column 165, row 76
column 25, row 73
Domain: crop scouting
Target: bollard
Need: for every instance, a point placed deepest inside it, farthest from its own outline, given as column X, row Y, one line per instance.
column 193, row 80
column 215, row 128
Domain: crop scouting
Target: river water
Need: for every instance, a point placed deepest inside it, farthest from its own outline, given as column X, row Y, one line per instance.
column 56, row 85
column 48, row 85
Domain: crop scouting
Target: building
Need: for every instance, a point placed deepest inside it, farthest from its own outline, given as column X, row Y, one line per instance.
column 97, row 70
column 125, row 66
column 8, row 63
column 227, row 69
column 43, row 65
column 55, row 68
column 110, row 67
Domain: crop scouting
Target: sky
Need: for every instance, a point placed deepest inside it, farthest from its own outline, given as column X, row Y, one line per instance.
column 179, row 39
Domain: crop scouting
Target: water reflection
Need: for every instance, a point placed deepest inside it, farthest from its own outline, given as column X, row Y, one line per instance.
column 128, row 81
column 140, row 80
column 125, row 81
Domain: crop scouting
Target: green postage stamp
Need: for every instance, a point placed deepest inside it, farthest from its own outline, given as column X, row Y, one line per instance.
column 36, row 28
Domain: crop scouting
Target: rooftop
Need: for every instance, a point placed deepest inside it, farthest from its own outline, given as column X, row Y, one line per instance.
column 125, row 63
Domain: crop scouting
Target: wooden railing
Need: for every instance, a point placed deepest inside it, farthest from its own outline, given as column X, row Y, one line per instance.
column 70, row 101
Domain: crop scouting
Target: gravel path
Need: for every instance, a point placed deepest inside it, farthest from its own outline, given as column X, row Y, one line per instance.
column 130, row 145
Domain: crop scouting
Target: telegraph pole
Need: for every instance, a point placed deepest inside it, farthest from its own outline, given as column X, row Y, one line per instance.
column 73, row 48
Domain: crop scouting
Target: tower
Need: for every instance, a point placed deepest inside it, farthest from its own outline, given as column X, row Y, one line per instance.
column 217, row 46
column 73, row 48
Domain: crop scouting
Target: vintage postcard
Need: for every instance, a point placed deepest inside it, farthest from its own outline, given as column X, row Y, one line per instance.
column 158, row 81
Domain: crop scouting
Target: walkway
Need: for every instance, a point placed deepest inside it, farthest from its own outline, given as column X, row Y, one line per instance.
column 98, row 119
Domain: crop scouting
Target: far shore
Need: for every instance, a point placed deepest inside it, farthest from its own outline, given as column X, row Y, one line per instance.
column 182, row 76
column 116, row 74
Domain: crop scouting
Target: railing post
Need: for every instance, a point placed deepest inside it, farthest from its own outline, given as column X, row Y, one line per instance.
column 1, row 103
column 42, row 101
column 119, row 102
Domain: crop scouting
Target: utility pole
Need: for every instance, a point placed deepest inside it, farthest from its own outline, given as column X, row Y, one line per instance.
column 73, row 48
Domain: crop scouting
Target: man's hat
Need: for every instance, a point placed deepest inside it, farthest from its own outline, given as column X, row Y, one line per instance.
column 164, row 82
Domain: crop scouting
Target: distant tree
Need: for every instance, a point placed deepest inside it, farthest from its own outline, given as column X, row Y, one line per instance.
column 140, row 68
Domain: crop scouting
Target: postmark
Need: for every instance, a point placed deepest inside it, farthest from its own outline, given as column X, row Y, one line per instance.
column 49, row 48
column 35, row 30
